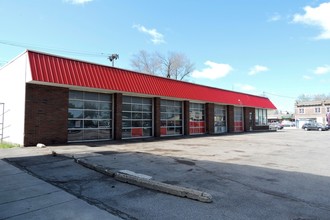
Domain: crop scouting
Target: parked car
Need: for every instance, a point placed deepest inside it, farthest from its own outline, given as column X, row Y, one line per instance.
column 314, row 126
column 275, row 126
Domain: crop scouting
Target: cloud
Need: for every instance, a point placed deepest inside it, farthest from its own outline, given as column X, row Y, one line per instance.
column 318, row 16
column 275, row 17
column 213, row 71
column 244, row 87
column 322, row 70
column 257, row 69
column 156, row 37
column 78, row 2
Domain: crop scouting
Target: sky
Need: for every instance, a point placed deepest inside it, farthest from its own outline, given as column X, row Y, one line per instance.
column 275, row 48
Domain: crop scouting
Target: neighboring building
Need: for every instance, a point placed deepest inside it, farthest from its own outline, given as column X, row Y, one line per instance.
column 283, row 117
column 54, row 100
column 318, row 111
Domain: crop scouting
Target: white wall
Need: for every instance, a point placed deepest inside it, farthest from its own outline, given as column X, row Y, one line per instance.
column 12, row 92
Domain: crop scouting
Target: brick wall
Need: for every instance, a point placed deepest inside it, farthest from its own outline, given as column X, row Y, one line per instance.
column 157, row 117
column 249, row 120
column 230, row 118
column 46, row 115
column 186, row 116
column 209, row 118
column 117, row 115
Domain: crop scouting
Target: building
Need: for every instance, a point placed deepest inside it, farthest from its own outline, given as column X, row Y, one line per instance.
column 285, row 118
column 55, row 100
column 318, row 111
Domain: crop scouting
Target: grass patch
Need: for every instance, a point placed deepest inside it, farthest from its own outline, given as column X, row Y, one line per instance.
column 4, row 145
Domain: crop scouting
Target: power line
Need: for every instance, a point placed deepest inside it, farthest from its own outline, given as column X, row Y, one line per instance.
column 283, row 96
column 32, row 46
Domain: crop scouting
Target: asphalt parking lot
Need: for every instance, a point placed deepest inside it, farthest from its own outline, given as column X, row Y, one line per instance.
column 272, row 175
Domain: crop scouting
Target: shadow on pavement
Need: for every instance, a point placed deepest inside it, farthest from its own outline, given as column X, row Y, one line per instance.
column 239, row 191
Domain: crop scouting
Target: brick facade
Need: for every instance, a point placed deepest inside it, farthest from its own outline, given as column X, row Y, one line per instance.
column 186, row 119
column 117, row 114
column 157, row 117
column 46, row 115
column 209, row 118
column 230, row 118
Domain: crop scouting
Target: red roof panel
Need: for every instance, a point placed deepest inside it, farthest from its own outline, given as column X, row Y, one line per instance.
column 59, row 70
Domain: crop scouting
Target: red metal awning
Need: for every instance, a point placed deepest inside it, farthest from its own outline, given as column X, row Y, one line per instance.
column 58, row 70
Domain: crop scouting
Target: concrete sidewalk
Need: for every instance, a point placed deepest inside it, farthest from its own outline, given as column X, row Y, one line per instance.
column 23, row 196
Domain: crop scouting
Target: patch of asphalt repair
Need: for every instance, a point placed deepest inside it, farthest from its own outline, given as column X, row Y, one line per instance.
column 148, row 183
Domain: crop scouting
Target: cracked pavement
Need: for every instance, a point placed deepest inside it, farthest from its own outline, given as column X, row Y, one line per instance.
column 275, row 175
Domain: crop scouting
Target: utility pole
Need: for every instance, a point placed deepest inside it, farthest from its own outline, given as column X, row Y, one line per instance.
column 113, row 57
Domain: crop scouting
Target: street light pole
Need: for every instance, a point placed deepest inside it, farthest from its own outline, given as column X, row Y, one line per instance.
column 113, row 57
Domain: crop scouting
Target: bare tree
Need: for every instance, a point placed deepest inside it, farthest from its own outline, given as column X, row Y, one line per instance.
column 174, row 65
column 146, row 63
column 311, row 97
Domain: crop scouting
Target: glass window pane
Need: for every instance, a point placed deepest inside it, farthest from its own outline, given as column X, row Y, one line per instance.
column 163, row 116
column 127, row 115
column 126, row 133
column 147, row 132
column 105, row 105
column 178, row 123
column 147, row 108
column 147, row 123
column 147, row 116
column 104, row 124
column 91, row 105
column 73, row 113
column 75, row 124
column 76, row 104
column 104, row 115
column 147, row 101
column 91, row 96
column 90, row 124
column 75, row 135
column 104, row 134
column 75, row 95
column 91, row 134
column 136, row 115
column 91, row 114
column 127, row 107
column 126, row 124
column 136, row 124
column 178, row 130
column 105, row 97
column 136, row 107
column 137, row 100
column 127, row 99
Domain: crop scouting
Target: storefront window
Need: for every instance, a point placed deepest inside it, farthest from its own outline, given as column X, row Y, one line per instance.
column 171, row 117
column 89, row 116
column 136, row 117
column 238, row 119
column 220, row 121
column 260, row 117
column 197, row 118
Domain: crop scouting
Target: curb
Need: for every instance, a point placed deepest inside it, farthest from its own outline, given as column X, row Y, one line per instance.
column 148, row 183
column 164, row 187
